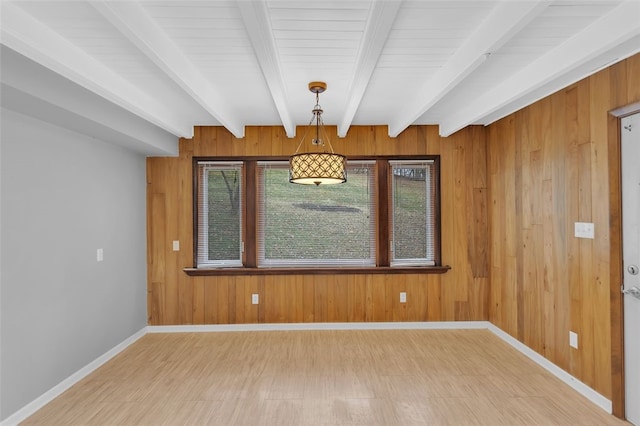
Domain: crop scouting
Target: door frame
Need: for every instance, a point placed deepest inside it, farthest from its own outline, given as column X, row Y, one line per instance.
column 615, row 256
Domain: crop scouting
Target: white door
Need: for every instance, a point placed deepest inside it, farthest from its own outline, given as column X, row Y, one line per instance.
column 630, row 140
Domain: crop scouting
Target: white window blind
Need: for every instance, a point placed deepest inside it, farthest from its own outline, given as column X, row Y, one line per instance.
column 308, row 225
column 413, row 213
column 220, row 218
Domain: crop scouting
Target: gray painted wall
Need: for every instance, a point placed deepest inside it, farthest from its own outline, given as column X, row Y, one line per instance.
column 63, row 196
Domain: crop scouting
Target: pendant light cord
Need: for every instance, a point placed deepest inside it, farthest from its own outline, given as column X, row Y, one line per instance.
column 317, row 116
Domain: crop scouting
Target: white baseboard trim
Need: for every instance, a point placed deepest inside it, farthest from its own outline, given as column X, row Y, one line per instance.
column 58, row 389
column 445, row 325
column 567, row 378
column 561, row 374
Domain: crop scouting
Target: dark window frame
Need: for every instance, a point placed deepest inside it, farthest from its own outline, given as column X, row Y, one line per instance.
column 219, row 165
column 368, row 231
column 383, row 237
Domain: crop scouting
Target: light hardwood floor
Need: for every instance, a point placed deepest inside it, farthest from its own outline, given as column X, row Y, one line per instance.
column 369, row 377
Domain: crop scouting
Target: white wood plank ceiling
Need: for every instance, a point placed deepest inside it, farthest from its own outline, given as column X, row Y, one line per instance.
column 175, row 64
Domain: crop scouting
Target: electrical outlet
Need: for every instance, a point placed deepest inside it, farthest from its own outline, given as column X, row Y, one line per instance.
column 573, row 340
column 403, row 297
column 99, row 255
column 176, row 245
column 255, row 299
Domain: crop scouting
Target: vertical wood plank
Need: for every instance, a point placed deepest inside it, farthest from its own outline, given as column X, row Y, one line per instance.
column 308, row 298
column 357, row 299
column 601, row 103
column 198, row 300
column 156, row 240
column 479, row 256
column 560, row 227
column 210, row 301
column 238, row 301
column 434, row 295
column 520, row 146
column 632, row 65
column 320, row 298
column 376, row 304
column 417, row 287
column 340, row 302
column 156, row 300
column 294, row 308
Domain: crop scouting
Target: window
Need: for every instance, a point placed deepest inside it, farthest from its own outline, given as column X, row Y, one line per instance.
column 247, row 215
column 219, row 220
column 413, row 213
column 307, row 225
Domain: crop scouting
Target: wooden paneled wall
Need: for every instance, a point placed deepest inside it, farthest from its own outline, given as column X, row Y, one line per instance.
column 460, row 294
column 549, row 165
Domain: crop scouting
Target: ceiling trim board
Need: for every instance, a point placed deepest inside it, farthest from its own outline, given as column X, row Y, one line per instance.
column 503, row 22
column 573, row 56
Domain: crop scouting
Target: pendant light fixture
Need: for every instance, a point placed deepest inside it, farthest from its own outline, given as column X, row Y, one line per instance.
column 320, row 167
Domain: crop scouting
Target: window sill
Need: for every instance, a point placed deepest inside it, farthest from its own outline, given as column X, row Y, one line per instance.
column 200, row 272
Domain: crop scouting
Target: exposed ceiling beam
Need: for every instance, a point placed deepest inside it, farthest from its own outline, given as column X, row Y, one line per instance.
column 610, row 57
column 135, row 24
column 36, row 41
column 613, row 29
column 256, row 20
column 34, row 90
column 381, row 18
column 504, row 21
column 106, row 131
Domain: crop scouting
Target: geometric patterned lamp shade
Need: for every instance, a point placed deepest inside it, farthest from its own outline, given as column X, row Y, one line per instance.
column 317, row 168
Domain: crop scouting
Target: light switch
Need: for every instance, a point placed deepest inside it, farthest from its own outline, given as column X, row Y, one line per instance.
column 584, row 230
column 99, row 255
column 176, row 245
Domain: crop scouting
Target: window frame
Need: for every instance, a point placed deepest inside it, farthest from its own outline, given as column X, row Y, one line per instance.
column 369, row 261
column 383, row 225
column 200, row 261
column 430, row 212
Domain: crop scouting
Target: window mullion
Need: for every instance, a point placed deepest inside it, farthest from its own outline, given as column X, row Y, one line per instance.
column 250, row 231
column 436, row 197
column 382, row 204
